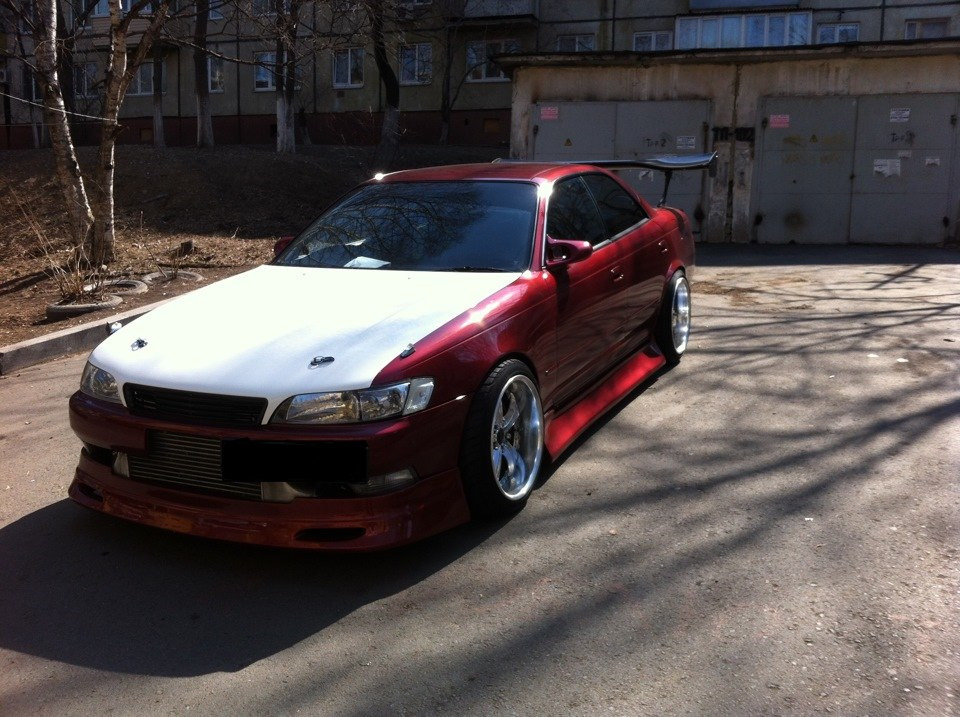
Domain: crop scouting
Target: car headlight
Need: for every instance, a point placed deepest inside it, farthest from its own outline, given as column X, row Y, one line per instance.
column 100, row 384
column 368, row 404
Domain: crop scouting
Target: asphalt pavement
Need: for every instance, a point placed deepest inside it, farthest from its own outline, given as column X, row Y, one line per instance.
column 769, row 528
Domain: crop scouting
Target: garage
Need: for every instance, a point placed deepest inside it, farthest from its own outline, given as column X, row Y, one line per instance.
column 844, row 144
column 873, row 169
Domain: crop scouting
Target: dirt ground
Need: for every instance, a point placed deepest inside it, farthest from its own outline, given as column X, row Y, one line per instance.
column 231, row 202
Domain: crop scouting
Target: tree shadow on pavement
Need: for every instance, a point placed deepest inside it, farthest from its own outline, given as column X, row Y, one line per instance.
column 760, row 531
column 95, row 591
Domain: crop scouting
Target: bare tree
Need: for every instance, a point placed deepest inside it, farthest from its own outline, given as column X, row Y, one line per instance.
column 390, row 129
column 285, row 73
column 117, row 78
column 40, row 19
column 201, row 74
column 89, row 203
column 452, row 82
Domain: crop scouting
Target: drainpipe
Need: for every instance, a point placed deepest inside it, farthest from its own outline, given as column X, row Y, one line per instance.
column 179, row 100
column 613, row 28
column 883, row 18
column 237, row 79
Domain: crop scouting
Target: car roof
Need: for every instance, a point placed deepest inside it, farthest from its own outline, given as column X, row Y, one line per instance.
column 517, row 171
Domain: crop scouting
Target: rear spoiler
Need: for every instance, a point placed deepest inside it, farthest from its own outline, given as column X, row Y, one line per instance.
column 666, row 164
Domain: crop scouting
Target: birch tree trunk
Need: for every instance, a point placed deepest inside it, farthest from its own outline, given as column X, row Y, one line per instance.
column 117, row 76
column 102, row 249
column 285, row 74
column 67, row 168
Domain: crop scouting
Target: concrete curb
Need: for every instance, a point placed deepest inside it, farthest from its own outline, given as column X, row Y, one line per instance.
column 67, row 341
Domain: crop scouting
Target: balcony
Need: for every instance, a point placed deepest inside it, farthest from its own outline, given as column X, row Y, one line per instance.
column 494, row 11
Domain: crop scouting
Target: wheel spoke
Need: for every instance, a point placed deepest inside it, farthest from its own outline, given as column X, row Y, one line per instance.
column 516, row 470
column 496, row 459
column 498, row 416
column 509, row 419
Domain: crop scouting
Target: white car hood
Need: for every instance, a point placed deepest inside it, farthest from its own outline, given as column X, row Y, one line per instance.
column 256, row 333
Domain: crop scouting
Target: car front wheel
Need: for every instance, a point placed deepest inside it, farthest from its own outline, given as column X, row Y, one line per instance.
column 503, row 442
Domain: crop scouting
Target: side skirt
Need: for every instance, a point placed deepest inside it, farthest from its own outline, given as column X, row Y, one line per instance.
column 564, row 428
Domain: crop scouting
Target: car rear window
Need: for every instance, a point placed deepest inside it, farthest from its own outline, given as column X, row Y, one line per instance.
column 423, row 226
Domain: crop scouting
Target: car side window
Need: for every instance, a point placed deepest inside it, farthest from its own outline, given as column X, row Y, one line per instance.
column 573, row 213
column 619, row 210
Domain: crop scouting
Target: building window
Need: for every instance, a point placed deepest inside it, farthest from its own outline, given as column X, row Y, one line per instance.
column 925, row 29
column 142, row 82
column 761, row 30
column 479, row 66
column 652, row 41
column 416, row 64
column 348, row 67
column 262, row 7
column 576, row 43
column 102, row 8
column 263, row 72
column 31, row 88
column 835, row 32
column 84, row 79
column 216, row 10
column 215, row 74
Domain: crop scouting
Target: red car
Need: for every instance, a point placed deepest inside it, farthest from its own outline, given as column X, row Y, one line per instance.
column 409, row 361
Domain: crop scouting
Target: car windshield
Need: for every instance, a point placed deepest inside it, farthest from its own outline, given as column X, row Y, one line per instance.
column 423, row 226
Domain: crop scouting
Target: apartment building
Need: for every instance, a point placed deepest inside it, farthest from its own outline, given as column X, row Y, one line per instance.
column 825, row 113
column 833, row 122
column 438, row 47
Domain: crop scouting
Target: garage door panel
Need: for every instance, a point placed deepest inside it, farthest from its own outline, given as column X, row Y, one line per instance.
column 806, row 159
column 793, row 218
column 876, row 219
column 904, row 121
column 573, row 131
column 904, row 159
column 796, row 172
column 884, row 172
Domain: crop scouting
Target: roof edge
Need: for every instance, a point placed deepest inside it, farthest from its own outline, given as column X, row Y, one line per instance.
column 735, row 55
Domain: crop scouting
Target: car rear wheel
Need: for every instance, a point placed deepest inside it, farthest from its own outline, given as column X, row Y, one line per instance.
column 673, row 329
column 502, row 449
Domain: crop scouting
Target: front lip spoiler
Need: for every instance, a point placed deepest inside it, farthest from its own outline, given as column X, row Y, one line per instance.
column 430, row 506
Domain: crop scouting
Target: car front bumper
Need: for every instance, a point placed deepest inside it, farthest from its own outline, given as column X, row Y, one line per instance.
column 426, row 443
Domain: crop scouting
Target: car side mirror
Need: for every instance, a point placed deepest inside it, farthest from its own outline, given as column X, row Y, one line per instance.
column 561, row 252
column 281, row 244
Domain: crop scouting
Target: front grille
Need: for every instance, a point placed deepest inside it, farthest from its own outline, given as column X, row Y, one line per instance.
column 225, row 467
column 187, row 462
column 206, row 409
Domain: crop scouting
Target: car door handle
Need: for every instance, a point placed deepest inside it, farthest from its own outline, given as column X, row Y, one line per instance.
column 663, row 246
column 617, row 273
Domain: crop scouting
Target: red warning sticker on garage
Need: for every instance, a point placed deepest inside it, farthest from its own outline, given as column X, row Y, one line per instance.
column 779, row 122
column 549, row 112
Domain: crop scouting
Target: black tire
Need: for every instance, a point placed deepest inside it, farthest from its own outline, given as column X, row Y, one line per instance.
column 676, row 305
column 500, row 461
